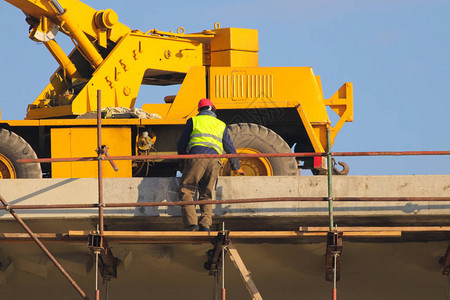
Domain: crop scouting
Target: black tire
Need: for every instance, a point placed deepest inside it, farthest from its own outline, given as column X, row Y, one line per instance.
column 264, row 140
column 12, row 148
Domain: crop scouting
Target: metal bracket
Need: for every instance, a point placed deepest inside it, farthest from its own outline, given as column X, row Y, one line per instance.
column 103, row 150
column 214, row 263
column 334, row 247
column 107, row 262
column 214, row 255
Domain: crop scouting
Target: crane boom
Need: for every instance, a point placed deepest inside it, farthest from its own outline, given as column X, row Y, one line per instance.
column 82, row 14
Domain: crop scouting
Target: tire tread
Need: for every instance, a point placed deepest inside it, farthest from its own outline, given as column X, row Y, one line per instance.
column 265, row 140
column 15, row 147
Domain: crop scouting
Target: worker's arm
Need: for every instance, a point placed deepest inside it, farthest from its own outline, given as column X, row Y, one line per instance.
column 230, row 149
column 183, row 141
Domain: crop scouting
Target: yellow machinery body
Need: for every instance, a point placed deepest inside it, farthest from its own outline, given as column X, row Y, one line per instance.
column 220, row 64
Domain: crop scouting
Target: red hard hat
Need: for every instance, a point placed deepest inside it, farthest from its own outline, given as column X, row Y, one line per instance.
column 205, row 102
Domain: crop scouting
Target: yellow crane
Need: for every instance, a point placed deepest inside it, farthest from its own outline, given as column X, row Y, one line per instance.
column 268, row 109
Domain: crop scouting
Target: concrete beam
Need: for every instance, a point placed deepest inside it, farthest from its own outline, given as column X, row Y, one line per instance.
column 117, row 190
column 370, row 271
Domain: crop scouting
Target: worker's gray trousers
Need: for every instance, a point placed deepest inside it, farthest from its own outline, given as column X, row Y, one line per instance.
column 198, row 174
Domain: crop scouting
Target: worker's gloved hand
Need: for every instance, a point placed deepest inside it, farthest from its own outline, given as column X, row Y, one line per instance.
column 239, row 172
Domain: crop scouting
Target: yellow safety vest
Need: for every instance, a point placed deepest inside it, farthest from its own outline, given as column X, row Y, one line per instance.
column 207, row 131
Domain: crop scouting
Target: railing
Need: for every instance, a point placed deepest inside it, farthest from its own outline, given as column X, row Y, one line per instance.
column 103, row 155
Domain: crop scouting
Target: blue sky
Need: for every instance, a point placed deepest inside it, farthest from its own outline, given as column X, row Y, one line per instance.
column 395, row 52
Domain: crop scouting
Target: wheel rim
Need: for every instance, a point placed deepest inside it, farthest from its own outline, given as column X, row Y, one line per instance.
column 7, row 170
column 252, row 166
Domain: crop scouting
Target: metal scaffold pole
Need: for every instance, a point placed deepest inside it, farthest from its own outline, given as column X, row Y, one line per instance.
column 97, row 291
column 100, row 184
column 334, row 276
column 223, row 267
column 227, row 201
column 100, row 160
column 330, row 183
column 237, row 155
column 330, row 209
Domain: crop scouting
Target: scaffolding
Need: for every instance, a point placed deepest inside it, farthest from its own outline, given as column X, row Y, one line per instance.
column 222, row 241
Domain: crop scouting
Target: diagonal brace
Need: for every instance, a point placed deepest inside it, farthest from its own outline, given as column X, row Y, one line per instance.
column 46, row 251
column 244, row 272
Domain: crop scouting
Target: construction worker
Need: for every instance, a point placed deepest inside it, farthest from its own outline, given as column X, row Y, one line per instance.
column 203, row 134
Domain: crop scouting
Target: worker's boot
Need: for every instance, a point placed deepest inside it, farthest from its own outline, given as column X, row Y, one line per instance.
column 191, row 228
column 203, row 228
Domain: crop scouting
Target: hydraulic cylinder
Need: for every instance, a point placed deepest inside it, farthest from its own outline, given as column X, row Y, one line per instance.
column 61, row 57
column 77, row 34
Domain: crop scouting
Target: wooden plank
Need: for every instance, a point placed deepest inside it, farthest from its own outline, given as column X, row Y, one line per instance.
column 146, row 234
column 169, row 237
column 158, row 234
column 373, row 234
column 188, row 236
column 272, row 234
column 8, row 235
column 363, row 229
column 199, row 235
column 243, row 271
column 79, row 233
